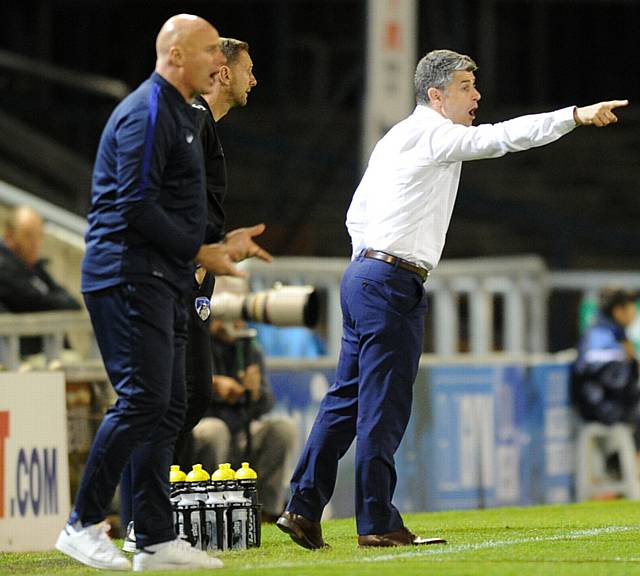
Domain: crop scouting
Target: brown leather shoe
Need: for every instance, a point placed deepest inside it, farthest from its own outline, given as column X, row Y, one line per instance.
column 402, row 537
column 303, row 532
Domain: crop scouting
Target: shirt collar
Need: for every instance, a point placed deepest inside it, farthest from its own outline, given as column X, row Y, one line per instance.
column 425, row 112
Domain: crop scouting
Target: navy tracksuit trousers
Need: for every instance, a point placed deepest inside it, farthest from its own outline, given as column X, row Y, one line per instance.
column 383, row 308
column 141, row 329
column 198, row 370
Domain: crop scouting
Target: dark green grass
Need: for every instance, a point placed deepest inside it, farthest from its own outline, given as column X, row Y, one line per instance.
column 577, row 539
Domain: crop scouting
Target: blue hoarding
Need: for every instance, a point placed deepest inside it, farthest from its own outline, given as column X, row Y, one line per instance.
column 481, row 434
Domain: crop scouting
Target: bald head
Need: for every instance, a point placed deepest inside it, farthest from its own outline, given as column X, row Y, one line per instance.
column 23, row 234
column 188, row 54
column 176, row 31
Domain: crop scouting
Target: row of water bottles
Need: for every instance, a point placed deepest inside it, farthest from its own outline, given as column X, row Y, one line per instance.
column 220, row 512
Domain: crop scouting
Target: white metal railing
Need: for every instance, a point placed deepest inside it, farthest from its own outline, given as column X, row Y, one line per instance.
column 520, row 285
column 520, row 282
column 590, row 282
column 53, row 327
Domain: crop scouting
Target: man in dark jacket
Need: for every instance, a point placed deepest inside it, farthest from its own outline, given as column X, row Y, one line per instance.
column 605, row 374
column 25, row 284
column 233, row 82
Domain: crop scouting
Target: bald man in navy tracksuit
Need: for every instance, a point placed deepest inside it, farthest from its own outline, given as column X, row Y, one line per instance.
column 146, row 226
column 137, row 268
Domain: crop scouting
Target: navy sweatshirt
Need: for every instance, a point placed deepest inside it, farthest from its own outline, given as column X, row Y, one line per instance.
column 148, row 209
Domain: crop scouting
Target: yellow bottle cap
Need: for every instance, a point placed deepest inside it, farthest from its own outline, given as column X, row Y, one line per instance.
column 245, row 473
column 197, row 474
column 224, row 472
column 176, row 475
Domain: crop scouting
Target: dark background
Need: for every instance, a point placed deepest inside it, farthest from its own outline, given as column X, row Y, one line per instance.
column 294, row 151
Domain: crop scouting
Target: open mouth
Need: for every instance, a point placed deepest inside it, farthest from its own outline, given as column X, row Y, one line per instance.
column 472, row 112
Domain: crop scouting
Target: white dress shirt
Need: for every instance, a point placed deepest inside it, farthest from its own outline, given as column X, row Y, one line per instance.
column 404, row 202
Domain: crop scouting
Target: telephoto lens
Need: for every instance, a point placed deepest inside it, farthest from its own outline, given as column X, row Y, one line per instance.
column 279, row 306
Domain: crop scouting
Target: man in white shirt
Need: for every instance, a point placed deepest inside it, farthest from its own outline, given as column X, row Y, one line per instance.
column 398, row 221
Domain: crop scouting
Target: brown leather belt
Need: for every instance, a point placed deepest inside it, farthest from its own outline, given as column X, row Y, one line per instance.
column 395, row 261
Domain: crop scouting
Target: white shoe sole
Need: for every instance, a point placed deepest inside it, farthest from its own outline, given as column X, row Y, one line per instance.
column 73, row 552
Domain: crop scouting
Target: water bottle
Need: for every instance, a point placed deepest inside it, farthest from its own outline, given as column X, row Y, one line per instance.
column 246, row 479
column 216, row 516
column 224, row 479
column 239, row 510
column 191, row 509
column 177, row 479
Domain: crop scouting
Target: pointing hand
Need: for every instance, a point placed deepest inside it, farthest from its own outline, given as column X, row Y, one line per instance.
column 600, row 114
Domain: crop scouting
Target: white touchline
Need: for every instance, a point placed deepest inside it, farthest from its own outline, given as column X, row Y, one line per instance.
column 441, row 550
column 438, row 550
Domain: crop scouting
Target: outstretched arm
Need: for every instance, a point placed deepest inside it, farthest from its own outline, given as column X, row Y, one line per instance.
column 600, row 114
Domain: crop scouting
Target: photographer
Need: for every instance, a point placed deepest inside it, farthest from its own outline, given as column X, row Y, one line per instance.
column 234, row 428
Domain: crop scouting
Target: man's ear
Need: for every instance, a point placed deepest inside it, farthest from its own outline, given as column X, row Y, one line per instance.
column 225, row 75
column 434, row 95
column 176, row 56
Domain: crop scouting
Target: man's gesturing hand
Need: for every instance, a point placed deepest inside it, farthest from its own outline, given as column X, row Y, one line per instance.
column 599, row 114
column 240, row 245
column 215, row 258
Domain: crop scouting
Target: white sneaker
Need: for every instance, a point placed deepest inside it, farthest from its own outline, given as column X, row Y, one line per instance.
column 173, row 555
column 129, row 544
column 92, row 546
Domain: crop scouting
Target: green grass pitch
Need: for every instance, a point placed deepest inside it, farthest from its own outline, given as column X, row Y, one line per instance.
column 563, row 540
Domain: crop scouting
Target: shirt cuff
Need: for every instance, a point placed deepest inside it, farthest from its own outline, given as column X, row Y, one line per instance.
column 565, row 118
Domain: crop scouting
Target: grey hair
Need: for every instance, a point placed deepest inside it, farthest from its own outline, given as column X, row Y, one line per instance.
column 231, row 47
column 435, row 70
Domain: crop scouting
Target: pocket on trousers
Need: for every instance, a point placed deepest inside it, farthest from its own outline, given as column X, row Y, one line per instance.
column 403, row 296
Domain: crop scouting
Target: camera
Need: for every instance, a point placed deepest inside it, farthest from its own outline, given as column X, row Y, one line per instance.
column 279, row 306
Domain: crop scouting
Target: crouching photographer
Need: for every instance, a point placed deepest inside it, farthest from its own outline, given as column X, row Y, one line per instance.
column 237, row 425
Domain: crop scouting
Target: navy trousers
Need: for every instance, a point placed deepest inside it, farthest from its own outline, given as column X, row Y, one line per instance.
column 141, row 331
column 198, row 370
column 383, row 310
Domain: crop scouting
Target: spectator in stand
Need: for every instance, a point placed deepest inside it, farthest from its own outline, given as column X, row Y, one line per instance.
column 25, row 284
column 604, row 376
